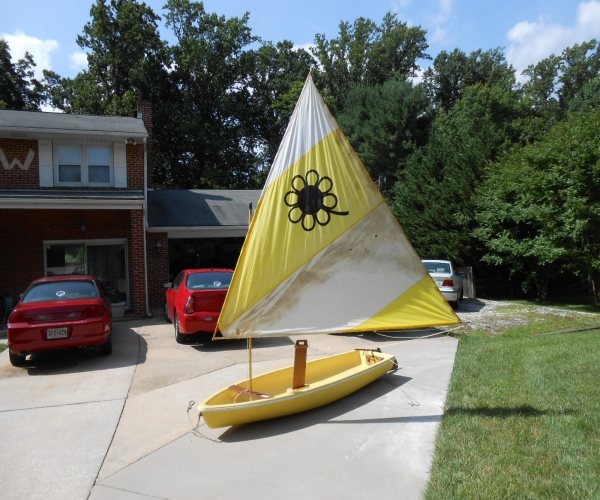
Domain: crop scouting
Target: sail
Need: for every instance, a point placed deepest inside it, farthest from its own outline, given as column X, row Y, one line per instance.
column 324, row 253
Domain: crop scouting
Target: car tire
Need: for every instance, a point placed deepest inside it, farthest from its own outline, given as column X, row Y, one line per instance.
column 166, row 312
column 180, row 338
column 455, row 305
column 16, row 359
column 106, row 348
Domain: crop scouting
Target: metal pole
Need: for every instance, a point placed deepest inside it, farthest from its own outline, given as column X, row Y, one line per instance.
column 250, row 365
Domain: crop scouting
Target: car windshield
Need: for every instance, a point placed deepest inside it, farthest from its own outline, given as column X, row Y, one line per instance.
column 202, row 281
column 437, row 267
column 61, row 290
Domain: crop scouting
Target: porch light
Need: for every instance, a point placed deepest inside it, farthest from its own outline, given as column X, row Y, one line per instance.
column 130, row 141
column 83, row 227
column 158, row 246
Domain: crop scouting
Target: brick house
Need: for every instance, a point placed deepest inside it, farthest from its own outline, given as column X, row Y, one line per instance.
column 76, row 196
column 73, row 192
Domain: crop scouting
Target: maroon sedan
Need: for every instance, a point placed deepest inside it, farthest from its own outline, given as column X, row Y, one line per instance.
column 194, row 300
column 58, row 313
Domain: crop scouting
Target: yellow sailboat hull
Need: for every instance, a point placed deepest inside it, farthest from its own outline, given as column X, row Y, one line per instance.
column 327, row 380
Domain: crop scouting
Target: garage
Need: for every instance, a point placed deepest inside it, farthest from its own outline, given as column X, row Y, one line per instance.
column 194, row 228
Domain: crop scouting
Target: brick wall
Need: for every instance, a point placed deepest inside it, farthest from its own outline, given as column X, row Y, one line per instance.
column 158, row 268
column 30, row 178
column 145, row 107
column 17, row 178
column 24, row 231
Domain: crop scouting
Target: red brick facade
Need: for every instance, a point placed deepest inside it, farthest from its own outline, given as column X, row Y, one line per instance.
column 16, row 178
column 145, row 107
column 26, row 230
column 158, row 268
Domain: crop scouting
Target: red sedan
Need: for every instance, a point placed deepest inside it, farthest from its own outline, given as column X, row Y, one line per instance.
column 57, row 313
column 194, row 300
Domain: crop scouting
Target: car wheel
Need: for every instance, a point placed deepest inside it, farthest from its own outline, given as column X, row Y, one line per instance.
column 106, row 348
column 180, row 338
column 166, row 311
column 16, row 359
column 456, row 304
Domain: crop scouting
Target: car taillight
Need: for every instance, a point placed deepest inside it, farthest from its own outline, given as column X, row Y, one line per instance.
column 94, row 312
column 448, row 283
column 16, row 317
column 189, row 306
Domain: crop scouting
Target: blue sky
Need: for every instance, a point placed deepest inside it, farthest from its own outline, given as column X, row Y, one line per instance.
column 529, row 30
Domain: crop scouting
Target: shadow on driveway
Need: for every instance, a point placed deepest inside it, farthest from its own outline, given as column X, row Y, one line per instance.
column 128, row 349
column 203, row 343
column 324, row 414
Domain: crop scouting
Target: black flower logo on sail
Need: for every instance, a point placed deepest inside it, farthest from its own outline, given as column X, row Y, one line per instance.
column 311, row 204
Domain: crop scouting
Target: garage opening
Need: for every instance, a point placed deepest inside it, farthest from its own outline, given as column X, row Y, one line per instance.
column 195, row 253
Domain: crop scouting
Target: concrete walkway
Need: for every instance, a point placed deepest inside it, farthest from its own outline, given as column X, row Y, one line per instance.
column 78, row 425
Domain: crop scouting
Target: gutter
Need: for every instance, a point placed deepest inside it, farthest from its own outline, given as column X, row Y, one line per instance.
column 148, row 312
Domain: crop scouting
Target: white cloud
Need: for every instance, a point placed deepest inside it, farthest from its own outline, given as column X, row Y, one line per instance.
column 418, row 78
column 445, row 10
column 20, row 43
column 305, row 46
column 79, row 60
column 530, row 42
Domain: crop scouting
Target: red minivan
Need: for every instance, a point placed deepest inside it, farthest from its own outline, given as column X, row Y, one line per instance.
column 57, row 313
column 194, row 300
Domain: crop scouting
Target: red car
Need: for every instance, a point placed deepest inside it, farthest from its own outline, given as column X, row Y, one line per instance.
column 194, row 300
column 57, row 313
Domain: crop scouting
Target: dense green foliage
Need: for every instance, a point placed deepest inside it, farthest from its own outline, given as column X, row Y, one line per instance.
column 385, row 124
column 540, row 206
column 18, row 88
column 476, row 167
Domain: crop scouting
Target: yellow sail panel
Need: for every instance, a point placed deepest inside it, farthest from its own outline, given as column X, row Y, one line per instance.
column 287, row 231
column 422, row 305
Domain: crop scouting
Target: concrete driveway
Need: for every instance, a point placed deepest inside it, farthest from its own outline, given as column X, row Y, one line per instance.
column 76, row 425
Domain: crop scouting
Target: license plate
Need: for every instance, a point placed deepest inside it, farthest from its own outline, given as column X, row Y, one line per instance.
column 57, row 333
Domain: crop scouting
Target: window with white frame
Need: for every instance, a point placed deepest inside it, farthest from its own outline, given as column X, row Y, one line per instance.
column 82, row 164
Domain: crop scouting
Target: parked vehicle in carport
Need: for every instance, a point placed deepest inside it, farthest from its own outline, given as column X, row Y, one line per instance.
column 60, row 312
column 194, row 300
column 447, row 280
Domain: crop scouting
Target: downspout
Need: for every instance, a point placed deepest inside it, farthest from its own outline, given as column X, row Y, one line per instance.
column 148, row 312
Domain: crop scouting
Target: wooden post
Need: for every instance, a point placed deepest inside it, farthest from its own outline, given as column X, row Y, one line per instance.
column 301, row 348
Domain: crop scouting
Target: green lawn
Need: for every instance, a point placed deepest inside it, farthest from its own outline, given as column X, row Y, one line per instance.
column 2, row 347
column 522, row 417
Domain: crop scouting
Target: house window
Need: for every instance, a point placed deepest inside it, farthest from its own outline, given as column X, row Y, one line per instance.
column 83, row 165
column 104, row 259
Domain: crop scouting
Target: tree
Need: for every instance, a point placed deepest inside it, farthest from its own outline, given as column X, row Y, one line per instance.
column 539, row 208
column 385, row 124
column 366, row 54
column 433, row 198
column 556, row 81
column 18, row 88
column 126, row 60
column 276, row 75
column 206, row 141
column 453, row 72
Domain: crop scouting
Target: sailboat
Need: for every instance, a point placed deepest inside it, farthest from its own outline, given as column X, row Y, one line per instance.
column 324, row 254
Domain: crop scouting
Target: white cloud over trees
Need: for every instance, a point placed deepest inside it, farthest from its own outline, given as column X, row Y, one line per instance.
column 41, row 50
column 530, row 42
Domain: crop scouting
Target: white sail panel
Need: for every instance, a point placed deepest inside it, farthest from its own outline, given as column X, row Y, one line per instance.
column 310, row 123
column 362, row 271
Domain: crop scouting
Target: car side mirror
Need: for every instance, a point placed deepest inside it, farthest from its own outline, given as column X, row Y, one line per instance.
column 168, row 285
